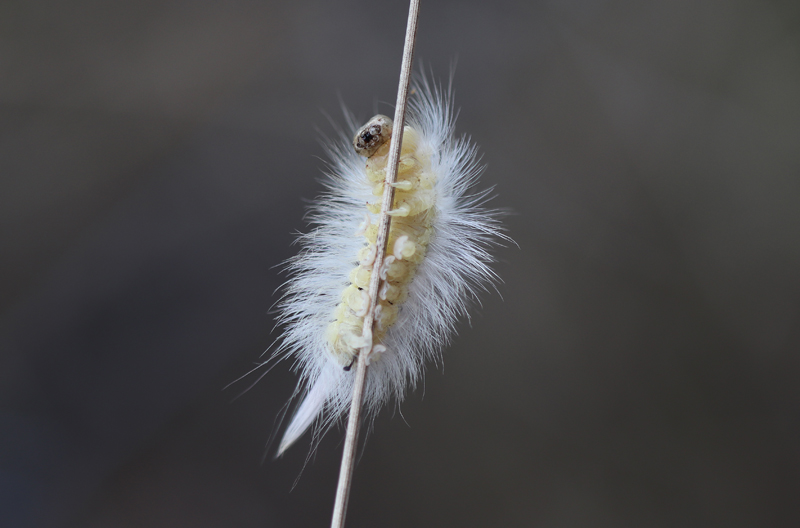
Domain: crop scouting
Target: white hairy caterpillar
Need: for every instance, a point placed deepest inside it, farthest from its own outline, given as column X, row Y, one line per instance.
column 437, row 260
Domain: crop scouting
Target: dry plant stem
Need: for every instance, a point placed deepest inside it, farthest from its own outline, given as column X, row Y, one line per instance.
column 353, row 421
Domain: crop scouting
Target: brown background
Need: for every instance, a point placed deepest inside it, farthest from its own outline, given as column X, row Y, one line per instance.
column 642, row 368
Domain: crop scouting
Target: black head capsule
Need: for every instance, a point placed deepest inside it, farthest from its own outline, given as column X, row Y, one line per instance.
column 371, row 136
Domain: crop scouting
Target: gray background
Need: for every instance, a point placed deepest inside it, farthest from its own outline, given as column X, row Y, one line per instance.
column 641, row 368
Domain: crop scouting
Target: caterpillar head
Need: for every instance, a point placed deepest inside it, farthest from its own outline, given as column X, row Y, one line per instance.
column 371, row 136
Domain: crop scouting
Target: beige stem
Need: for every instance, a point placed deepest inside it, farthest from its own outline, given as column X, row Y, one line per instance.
column 353, row 421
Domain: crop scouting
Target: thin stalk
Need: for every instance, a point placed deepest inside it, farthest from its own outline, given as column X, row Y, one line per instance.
column 353, row 421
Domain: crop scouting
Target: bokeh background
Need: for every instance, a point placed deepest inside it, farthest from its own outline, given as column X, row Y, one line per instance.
column 640, row 369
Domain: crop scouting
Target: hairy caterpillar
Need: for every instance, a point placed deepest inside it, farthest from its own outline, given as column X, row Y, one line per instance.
column 437, row 259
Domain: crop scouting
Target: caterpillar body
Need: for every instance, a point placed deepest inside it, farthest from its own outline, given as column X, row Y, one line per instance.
column 437, row 259
column 409, row 235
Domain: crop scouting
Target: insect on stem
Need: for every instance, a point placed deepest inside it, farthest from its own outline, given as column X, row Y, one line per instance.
column 353, row 421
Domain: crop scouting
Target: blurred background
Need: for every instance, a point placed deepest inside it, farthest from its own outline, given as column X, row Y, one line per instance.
column 639, row 367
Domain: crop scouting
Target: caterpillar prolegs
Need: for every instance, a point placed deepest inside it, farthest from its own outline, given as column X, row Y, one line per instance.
column 437, row 260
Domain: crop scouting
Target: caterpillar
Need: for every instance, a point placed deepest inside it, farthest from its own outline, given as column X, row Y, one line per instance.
column 437, row 261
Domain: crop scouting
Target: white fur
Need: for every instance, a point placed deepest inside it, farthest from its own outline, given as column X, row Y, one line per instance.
column 455, row 267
